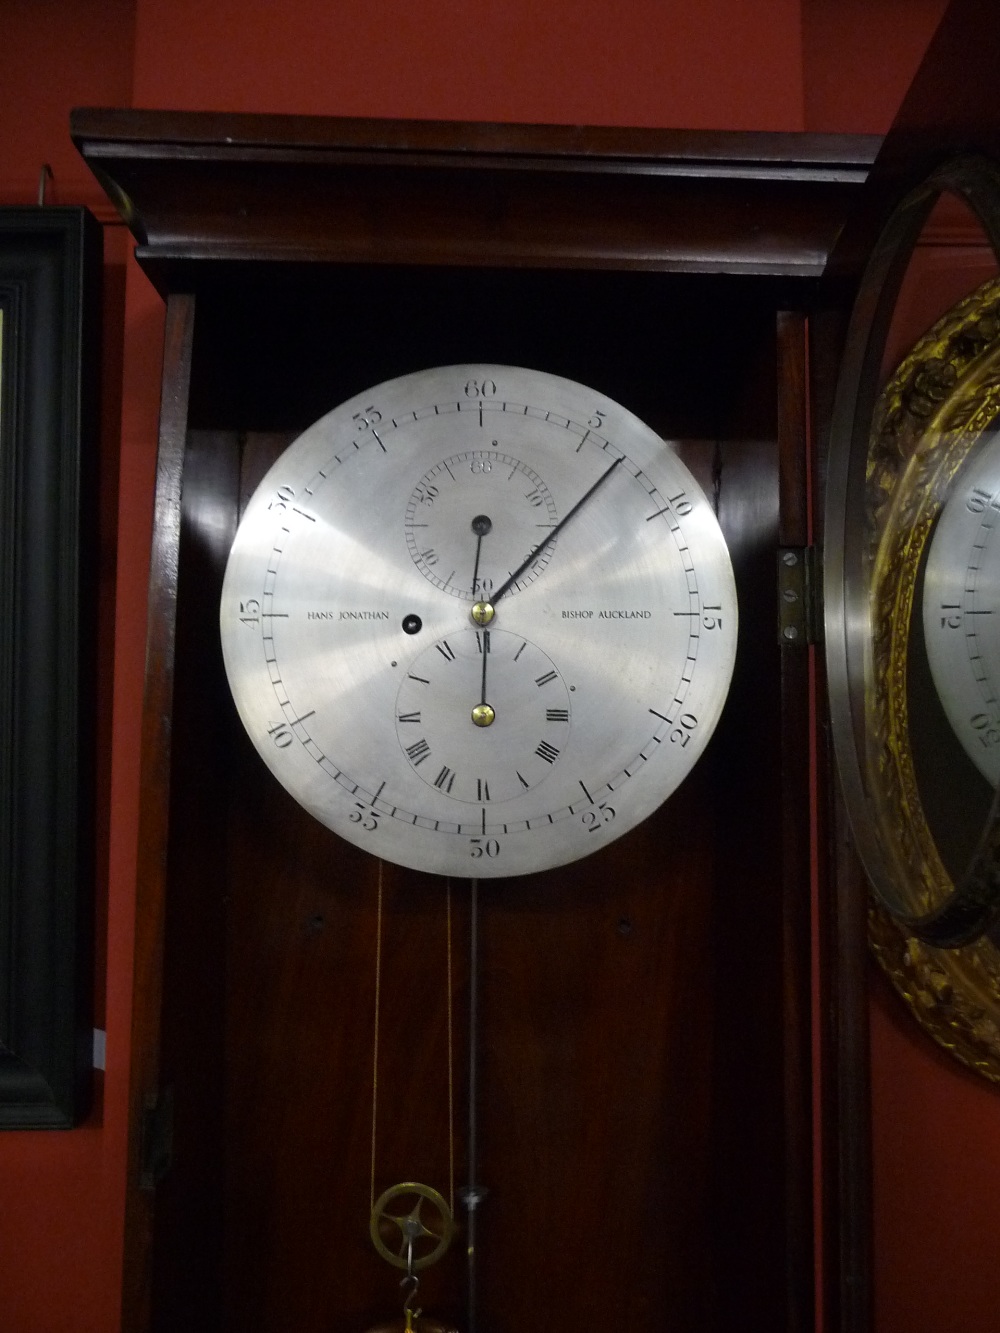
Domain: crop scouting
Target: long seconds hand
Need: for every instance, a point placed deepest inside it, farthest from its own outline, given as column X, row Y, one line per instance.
column 552, row 535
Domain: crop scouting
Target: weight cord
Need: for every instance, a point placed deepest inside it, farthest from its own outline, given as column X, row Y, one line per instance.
column 472, row 1193
column 378, row 999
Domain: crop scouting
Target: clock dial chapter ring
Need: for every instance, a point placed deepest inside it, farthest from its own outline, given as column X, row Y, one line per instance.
column 357, row 676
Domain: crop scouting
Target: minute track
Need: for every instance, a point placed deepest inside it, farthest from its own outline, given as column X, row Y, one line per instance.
column 383, row 805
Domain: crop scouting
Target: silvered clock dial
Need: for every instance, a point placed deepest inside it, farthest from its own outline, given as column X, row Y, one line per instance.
column 479, row 620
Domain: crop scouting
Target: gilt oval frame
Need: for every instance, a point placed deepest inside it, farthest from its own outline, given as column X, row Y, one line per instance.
column 929, row 419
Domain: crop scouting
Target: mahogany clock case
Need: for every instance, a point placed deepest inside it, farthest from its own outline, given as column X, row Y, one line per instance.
column 632, row 1050
column 644, row 1110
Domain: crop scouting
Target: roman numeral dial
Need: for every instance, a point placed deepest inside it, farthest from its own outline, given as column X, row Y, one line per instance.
column 439, row 735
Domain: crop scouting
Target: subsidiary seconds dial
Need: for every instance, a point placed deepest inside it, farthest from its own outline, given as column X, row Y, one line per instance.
column 437, row 521
column 479, row 620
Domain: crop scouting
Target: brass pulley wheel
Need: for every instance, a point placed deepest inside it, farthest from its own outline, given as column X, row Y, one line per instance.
column 411, row 1226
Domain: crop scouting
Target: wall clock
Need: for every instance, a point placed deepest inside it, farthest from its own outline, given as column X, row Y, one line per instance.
column 645, row 1009
column 479, row 620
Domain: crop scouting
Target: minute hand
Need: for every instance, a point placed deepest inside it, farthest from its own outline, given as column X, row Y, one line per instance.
column 554, row 533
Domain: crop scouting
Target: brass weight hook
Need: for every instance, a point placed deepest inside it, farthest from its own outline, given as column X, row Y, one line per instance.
column 410, row 1312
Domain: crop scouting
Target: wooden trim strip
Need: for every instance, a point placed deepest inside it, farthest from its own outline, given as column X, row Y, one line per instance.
column 154, row 802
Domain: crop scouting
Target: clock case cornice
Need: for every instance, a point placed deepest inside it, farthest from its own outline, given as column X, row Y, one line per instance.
column 206, row 189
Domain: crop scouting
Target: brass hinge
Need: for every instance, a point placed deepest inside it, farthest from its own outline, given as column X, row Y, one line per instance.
column 800, row 591
column 157, row 1139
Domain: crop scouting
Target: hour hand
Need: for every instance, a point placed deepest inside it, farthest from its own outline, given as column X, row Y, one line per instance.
column 483, row 714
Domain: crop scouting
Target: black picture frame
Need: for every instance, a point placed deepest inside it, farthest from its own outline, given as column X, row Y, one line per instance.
column 50, row 276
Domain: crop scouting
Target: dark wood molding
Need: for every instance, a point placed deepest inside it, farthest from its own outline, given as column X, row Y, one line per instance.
column 218, row 189
column 220, row 132
column 50, row 268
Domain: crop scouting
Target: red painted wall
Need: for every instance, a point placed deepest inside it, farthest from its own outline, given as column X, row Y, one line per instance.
column 775, row 64
column 859, row 57
column 717, row 64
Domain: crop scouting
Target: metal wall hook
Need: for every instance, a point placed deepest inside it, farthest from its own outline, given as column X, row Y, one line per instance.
column 44, row 176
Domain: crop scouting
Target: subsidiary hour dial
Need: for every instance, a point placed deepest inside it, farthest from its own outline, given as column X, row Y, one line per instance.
column 479, row 620
column 523, row 722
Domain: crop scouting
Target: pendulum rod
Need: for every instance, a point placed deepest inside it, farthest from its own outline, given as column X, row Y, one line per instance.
column 472, row 1195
